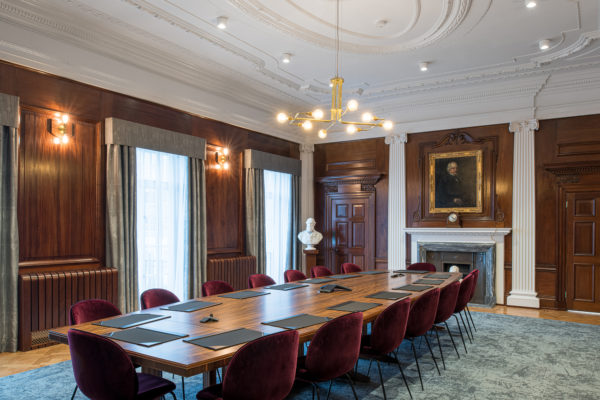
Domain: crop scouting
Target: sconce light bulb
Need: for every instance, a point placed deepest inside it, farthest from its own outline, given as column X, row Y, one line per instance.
column 318, row 113
column 282, row 117
column 226, row 165
column 351, row 129
column 65, row 118
column 307, row 125
column 367, row 117
column 65, row 139
column 226, row 151
column 322, row 133
column 56, row 140
column 352, row 105
column 218, row 166
column 388, row 125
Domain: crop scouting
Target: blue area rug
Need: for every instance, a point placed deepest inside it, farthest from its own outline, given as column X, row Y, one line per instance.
column 510, row 358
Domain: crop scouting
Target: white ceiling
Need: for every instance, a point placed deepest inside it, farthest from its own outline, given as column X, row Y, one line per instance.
column 485, row 64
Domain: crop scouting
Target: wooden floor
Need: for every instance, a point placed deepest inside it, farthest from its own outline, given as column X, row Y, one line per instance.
column 12, row 363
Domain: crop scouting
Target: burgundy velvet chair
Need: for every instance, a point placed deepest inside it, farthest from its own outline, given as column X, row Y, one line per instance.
column 446, row 305
column 259, row 280
column 464, row 295
column 157, row 297
column 211, row 288
column 103, row 370
column 348, row 268
column 293, row 275
column 262, row 369
column 319, row 271
column 333, row 351
column 386, row 335
column 422, row 267
column 91, row 310
column 420, row 320
column 475, row 273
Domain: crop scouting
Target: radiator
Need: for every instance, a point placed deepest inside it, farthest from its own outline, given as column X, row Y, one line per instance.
column 45, row 300
column 234, row 271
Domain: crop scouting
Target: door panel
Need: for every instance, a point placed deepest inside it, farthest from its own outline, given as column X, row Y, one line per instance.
column 583, row 240
column 584, row 282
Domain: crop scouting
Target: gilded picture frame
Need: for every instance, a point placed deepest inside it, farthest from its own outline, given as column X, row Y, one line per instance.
column 456, row 182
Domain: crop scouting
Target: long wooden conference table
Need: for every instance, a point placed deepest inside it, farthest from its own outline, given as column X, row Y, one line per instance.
column 186, row 359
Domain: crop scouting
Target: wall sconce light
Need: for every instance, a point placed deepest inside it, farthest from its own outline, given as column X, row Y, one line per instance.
column 59, row 128
column 222, row 159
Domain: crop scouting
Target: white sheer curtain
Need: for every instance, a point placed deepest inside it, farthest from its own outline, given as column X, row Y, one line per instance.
column 278, row 216
column 162, row 221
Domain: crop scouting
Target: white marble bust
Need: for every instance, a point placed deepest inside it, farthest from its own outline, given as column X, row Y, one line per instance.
column 310, row 237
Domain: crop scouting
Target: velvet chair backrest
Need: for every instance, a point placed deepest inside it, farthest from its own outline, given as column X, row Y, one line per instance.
column 447, row 303
column 422, row 313
column 390, row 326
column 157, row 297
column 102, row 369
column 464, row 294
column 258, row 280
column 211, row 288
column 319, row 271
column 263, row 369
column 475, row 273
column 91, row 310
column 293, row 275
column 348, row 268
column 422, row 267
column 335, row 347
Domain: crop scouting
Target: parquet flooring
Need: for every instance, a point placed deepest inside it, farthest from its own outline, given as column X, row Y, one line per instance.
column 12, row 363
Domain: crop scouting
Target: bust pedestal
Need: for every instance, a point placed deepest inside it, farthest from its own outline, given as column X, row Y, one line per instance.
column 311, row 260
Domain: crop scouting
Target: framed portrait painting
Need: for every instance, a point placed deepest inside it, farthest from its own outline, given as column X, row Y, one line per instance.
column 455, row 182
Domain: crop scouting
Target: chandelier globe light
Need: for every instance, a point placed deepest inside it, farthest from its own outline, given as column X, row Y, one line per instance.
column 308, row 119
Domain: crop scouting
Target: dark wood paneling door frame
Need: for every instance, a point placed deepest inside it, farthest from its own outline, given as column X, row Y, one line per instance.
column 582, row 251
column 351, row 228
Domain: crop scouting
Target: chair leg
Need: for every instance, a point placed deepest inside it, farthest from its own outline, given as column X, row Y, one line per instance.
column 352, row 386
column 329, row 390
column 74, row 391
column 369, row 369
column 440, row 346
column 461, row 335
column 174, row 397
column 468, row 323
column 417, row 362
column 183, row 387
column 466, row 329
column 470, row 316
column 432, row 355
column 403, row 377
column 315, row 388
column 452, row 339
column 381, row 380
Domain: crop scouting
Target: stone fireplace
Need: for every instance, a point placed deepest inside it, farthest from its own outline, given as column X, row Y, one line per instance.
column 468, row 249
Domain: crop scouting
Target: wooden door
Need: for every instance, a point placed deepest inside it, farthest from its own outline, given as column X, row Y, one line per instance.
column 351, row 218
column 582, row 252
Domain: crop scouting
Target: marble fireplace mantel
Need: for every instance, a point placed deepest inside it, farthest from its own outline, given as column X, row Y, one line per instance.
column 464, row 235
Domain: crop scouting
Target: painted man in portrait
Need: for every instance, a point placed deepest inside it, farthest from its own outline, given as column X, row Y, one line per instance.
column 452, row 190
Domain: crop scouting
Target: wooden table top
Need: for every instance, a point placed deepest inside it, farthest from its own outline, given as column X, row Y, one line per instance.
column 187, row 359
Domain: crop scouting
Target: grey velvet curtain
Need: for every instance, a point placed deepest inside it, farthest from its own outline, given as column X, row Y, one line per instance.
column 255, row 217
column 295, row 254
column 121, row 242
column 9, row 234
column 197, row 268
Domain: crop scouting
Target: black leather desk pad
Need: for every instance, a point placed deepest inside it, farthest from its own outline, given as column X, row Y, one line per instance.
column 317, row 281
column 438, row 275
column 372, row 272
column 429, row 281
column 344, row 276
column 298, row 321
column 413, row 288
column 245, row 294
column 353, row 306
column 226, row 339
column 388, row 295
column 189, row 306
column 144, row 337
column 409, row 271
column 128, row 321
column 286, row 286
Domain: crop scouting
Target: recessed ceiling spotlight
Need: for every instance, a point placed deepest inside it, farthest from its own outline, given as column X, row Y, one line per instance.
column 530, row 3
column 423, row 66
column 381, row 23
column 222, row 22
column 286, row 58
column 544, row 44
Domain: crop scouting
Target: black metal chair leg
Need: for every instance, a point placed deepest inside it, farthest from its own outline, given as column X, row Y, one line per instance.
column 461, row 335
column 369, row 369
column 74, row 391
column 440, row 346
column 183, row 387
column 403, row 377
column 329, row 390
column 174, row 397
column 452, row 339
column 432, row 355
column 352, row 386
column 465, row 325
column 417, row 362
column 468, row 323
column 381, row 380
column 315, row 389
column 470, row 316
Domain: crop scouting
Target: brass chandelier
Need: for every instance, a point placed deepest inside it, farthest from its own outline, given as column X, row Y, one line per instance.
column 306, row 119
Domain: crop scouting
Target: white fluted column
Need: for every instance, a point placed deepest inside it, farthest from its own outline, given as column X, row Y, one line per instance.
column 523, row 292
column 396, row 201
column 307, row 196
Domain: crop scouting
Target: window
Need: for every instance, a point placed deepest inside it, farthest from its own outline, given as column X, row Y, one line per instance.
column 278, row 215
column 162, row 221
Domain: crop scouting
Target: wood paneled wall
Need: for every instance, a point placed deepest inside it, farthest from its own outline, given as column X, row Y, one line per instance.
column 62, row 188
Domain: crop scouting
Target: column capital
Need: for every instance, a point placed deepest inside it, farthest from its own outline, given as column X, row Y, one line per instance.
column 524, row 126
column 396, row 138
column 307, row 148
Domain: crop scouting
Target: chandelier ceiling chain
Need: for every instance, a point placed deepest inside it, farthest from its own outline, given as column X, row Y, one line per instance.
column 306, row 119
